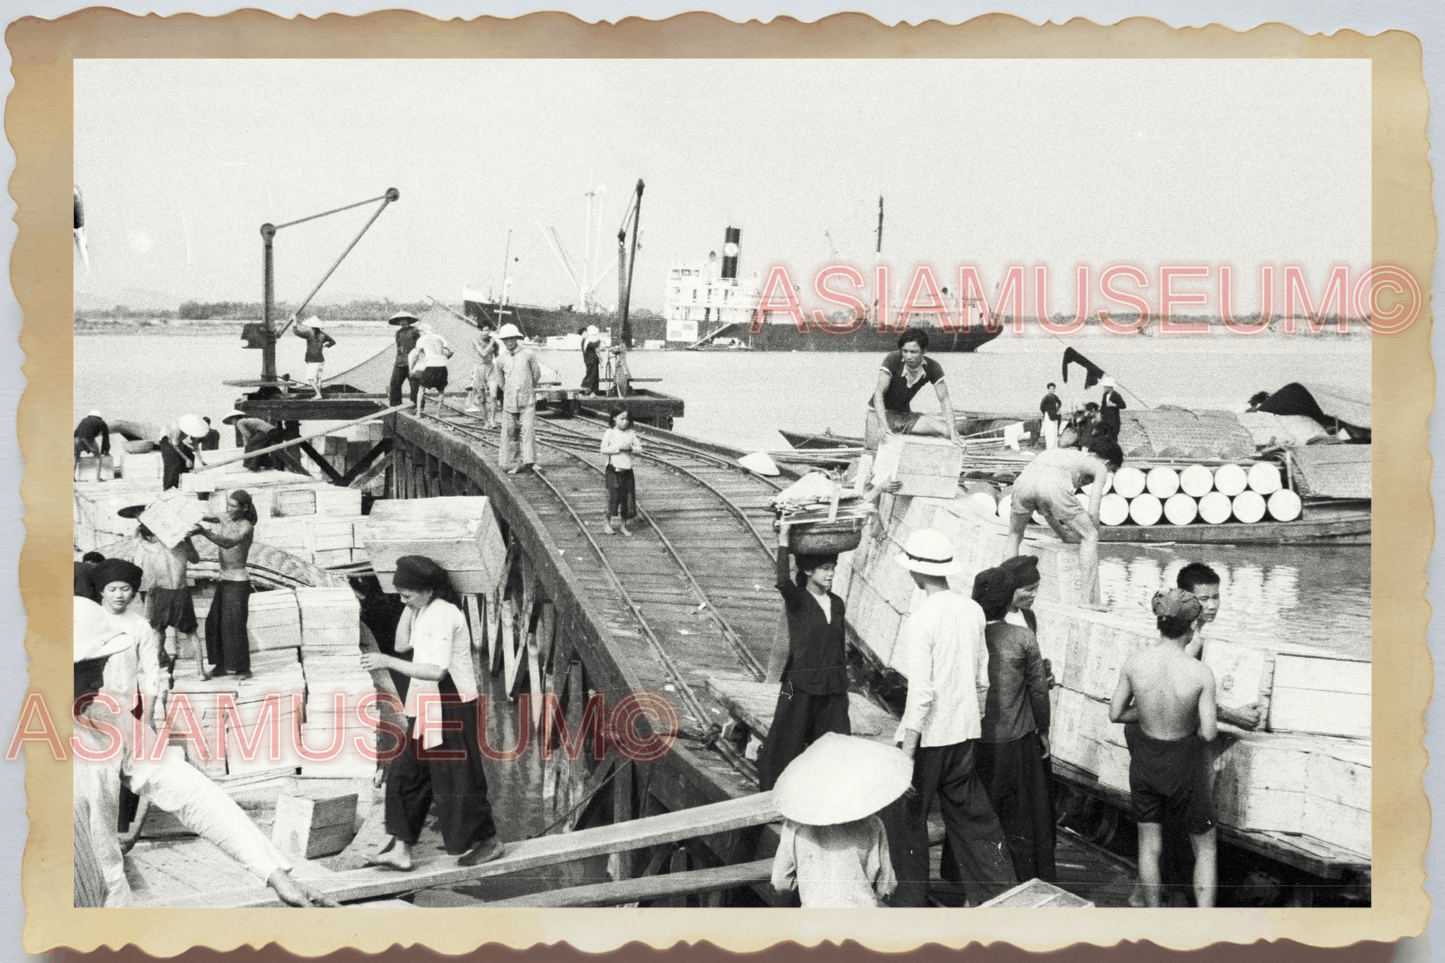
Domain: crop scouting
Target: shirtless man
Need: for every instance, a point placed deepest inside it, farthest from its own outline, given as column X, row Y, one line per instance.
column 1202, row 582
column 1166, row 701
column 168, row 601
column 1047, row 484
column 227, row 645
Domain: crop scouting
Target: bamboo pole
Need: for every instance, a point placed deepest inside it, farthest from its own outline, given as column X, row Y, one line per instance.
column 296, row 441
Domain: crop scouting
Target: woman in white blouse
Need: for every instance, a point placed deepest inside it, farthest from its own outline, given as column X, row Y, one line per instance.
column 443, row 691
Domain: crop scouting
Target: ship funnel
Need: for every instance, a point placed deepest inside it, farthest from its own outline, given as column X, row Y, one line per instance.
column 730, row 253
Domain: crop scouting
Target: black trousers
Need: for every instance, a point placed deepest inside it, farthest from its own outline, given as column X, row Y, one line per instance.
column 228, row 647
column 974, row 834
column 400, row 376
column 1018, row 782
column 459, row 787
column 621, row 493
column 592, row 378
column 799, row 720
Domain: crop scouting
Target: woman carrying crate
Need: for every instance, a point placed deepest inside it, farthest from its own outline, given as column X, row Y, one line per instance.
column 443, row 693
column 813, row 668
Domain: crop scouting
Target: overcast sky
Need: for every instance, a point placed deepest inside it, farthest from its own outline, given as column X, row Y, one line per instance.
column 990, row 162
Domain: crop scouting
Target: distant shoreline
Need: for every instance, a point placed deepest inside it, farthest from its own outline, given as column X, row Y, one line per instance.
column 170, row 326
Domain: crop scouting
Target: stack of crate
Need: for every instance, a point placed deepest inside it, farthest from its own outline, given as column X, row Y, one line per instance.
column 458, row 533
column 331, row 661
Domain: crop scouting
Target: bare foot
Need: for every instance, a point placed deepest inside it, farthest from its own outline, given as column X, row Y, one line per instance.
column 481, row 853
column 625, row 531
column 390, row 858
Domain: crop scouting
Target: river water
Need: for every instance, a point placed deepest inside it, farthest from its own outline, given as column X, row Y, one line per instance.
column 1302, row 596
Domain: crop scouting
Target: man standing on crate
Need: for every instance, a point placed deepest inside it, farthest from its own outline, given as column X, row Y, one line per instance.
column 227, row 645
column 316, row 343
column 901, row 376
column 1050, row 407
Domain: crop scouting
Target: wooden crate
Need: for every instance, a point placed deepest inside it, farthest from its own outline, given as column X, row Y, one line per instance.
column 274, row 621
column 312, row 827
column 288, row 729
column 202, row 484
column 172, row 516
column 1037, row 894
column 924, row 466
column 87, row 467
column 333, row 534
column 1327, row 696
column 330, row 617
column 331, row 558
column 293, row 535
column 147, row 465
column 459, row 533
column 325, row 500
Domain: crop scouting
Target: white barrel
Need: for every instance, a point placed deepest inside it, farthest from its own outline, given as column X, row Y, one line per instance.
column 1005, row 505
column 1162, row 482
column 1248, row 507
column 1264, row 478
column 1181, row 509
column 1196, row 480
column 1215, row 508
column 1108, row 483
column 1284, row 506
column 1113, row 509
column 1230, row 480
column 981, row 503
column 1145, row 509
column 1129, row 481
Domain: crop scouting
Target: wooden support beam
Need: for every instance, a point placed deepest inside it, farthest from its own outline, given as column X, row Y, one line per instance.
column 332, row 475
column 546, row 625
column 524, row 856
column 677, row 866
column 619, row 866
column 363, row 466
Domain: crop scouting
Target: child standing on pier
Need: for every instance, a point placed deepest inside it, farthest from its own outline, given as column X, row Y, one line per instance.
column 619, row 444
column 316, row 341
column 1165, row 698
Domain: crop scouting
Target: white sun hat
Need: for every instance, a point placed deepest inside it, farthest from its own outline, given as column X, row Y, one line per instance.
column 194, row 426
column 841, row 778
column 929, row 552
column 509, row 331
column 1108, row 382
column 760, row 463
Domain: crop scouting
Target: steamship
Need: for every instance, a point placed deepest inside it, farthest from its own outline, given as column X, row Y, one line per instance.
column 540, row 323
column 708, row 305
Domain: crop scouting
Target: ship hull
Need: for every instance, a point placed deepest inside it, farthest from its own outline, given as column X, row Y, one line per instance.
column 541, row 323
column 786, row 337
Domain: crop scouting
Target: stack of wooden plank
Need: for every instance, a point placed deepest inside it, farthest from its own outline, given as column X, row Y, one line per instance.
column 316, row 500
column 96, row 504
column 331, row 660
column 258, row 740
column 146, row 466
column 326, row 541
column 459, row 533
column 274, row 621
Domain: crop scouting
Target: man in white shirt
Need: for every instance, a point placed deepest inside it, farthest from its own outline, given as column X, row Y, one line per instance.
column 520, row 371
column 947, row 667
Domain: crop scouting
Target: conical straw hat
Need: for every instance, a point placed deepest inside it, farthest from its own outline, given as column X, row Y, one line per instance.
column 841, row 778
column 759, row 463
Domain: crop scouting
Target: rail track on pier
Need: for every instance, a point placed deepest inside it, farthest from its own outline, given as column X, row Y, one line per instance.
column 690, row 595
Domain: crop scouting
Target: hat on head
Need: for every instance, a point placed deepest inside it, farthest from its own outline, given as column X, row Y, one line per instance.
column 509, row 330
column 929, row 552
column 131, row 511
column 1023, row 569
column 93, row 638
column 417, row 573
column 993, row 590
column 1177, row 604
column 592, row 329
column 119, row 570
column 193, row 425
column 839, row 779
column 401, row 317
column 233, row 417
column 1108, row 382
column 95, row 413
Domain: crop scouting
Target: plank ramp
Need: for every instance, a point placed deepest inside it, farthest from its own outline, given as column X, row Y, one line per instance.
column 374, row 883
column 647, row 888
column 753, row 704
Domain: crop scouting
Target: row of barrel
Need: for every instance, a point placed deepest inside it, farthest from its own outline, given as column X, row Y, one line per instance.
column 1178, row 496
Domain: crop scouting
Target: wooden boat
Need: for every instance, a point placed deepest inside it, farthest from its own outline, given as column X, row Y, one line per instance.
column 1324, row 522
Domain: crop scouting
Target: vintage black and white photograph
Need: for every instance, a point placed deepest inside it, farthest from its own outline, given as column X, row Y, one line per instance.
column 938, row 484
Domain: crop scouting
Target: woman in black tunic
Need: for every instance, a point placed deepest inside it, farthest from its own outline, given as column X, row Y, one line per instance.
column 814, row 667
column 1013, row 752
